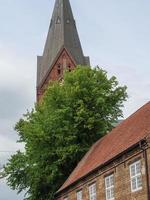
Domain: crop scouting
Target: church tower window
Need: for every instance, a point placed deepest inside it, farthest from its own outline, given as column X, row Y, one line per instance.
column 69, row 68
column 68, row 21
column 59, row 70
column 58, row 21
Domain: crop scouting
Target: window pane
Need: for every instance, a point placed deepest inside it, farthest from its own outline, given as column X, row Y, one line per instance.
column 138, row 168
column 108, row 194
column 112, row 180
column 107, row 182
column 133, row 172
column 139, row 181
column 109, row 186
column 134, row 184
column 92, row 192
column 112, row 192
column 79, row 195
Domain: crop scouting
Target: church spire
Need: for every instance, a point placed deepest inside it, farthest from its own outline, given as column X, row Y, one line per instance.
column 62, row 36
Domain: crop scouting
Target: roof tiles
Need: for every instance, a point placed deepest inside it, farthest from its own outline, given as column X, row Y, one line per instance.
column 124, row 136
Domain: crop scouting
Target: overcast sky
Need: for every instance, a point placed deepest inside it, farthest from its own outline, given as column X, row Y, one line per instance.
column 115, row 34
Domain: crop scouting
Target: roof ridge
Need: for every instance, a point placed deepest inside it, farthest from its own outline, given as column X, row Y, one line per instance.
column 130, row 117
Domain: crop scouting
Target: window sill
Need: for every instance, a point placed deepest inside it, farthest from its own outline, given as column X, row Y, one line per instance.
column 137, row 190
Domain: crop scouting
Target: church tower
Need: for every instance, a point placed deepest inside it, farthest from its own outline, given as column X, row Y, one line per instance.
column 62, row 48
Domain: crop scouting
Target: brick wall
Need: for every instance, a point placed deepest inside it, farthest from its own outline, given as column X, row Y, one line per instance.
column 120, row 169
column 63, row 62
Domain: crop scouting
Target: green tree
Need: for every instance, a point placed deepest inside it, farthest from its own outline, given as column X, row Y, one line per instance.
column 61, row 129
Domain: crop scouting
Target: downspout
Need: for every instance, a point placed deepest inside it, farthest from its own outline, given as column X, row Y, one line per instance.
column 147, row 174
column 147, row 170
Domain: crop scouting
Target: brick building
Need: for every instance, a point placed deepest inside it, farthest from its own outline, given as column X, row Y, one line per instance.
column 117, row 167
column 62, row 49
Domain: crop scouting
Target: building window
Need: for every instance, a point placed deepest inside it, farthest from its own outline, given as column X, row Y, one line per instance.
column 69, row 68
column 68, row 21
column 58, row 21
column 109, row 187
column 59, row 69
column 92, row 191
column 136, row 176
column 79, row 195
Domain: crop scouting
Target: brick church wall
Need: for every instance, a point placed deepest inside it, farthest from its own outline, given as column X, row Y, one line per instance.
column 63, row 62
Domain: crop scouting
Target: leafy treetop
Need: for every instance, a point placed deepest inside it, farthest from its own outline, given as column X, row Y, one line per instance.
column 61, row 128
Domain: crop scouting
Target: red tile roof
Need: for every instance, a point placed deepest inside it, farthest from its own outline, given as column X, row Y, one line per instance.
column 124, row 136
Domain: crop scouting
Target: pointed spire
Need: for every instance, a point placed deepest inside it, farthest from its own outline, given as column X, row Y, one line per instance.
column 62, row 34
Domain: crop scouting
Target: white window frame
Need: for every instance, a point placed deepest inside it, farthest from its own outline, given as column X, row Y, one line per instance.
column 135, row 176
column 79, row 195
column 109, row 186
column 92, row 191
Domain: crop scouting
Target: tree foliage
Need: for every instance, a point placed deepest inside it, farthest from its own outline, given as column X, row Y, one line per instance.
column 61, row 128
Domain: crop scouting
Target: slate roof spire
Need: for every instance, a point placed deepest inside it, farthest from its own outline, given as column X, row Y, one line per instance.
column 62, row 34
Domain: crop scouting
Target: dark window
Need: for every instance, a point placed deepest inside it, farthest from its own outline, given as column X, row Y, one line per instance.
column 58, row 21
column 69, row 68
column 59, row 69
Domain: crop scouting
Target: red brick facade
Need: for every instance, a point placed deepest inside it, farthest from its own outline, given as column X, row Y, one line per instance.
column 122, row 182
column 117, row 154
column 62, row 62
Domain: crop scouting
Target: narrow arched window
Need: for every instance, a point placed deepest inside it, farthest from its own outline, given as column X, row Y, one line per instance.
column 69, row 68
column 58, row 21
column 59, row 69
